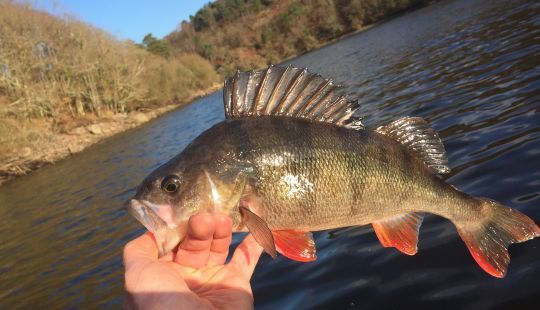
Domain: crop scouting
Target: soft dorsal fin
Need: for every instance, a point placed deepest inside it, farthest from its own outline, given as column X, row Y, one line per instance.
column 287, row 91
column 416, row 134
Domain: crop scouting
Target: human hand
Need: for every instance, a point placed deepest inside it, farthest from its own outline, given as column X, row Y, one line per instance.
column 195, row 276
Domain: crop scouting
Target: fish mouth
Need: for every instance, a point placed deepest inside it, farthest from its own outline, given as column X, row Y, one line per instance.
column 168, row 234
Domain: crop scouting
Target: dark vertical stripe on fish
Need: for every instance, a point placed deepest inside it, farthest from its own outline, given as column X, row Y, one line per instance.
column 242, row 141
column 408, row 162
column 347, row 165
column 356, row 186
column 229, row 146
column 311, row 164
column 280, row 130
column 382, row 156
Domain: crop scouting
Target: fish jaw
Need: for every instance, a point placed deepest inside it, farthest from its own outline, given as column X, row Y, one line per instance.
column 158, row 219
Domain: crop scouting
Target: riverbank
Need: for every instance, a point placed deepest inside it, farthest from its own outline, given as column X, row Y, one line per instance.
column 79, row 135
column 65, row 85
column 74, row 125
column 277, row 30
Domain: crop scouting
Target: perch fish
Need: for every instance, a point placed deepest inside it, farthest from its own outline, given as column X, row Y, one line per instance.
column 290, row 158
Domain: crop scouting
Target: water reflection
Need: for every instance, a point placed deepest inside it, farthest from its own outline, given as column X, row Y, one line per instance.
column 469, row 67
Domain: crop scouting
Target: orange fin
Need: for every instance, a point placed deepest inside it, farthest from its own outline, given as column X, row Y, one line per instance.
column 296, row 245
column 488, row 241
column 400, row 232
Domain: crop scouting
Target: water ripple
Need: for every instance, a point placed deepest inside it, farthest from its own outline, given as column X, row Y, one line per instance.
column 471, row 68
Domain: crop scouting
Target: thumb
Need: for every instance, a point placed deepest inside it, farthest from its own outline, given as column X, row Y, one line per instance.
column 141, row 249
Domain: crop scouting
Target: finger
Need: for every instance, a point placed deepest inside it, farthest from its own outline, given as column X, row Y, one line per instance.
column 141, row 249
column 221, row 241
column 169, row 257
column 247, row 255
column 194, row 250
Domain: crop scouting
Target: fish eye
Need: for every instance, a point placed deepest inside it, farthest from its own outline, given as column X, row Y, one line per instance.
column 170, row 184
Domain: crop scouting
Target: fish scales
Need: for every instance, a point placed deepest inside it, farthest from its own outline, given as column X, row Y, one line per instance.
column 317, row 176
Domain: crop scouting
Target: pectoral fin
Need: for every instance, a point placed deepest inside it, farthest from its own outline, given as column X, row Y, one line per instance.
column 296, row 245
column 260, row 231
column 400, row 232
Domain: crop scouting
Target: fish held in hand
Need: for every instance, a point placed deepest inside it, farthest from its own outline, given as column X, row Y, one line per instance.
column 290, row 159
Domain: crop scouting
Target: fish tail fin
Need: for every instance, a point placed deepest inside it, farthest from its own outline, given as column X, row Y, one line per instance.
column 489, row 235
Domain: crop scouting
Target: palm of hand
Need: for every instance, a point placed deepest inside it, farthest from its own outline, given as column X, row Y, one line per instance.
column 194, row 276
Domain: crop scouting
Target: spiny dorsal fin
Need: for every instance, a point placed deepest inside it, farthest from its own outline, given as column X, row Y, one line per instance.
column 400, row 232
column 416, row 134
column 287, row 91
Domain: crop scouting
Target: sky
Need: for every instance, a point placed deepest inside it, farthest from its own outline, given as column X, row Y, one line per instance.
column 127, row 19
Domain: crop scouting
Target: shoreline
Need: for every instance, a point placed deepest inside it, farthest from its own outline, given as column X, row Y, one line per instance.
column 361, row 29
column 24, row 161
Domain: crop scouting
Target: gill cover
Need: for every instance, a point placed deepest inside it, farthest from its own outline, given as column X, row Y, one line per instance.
column 226, row 188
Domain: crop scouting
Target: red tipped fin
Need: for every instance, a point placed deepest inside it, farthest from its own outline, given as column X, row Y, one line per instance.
column 296, row 245
column 400, row 232
column 489, row 239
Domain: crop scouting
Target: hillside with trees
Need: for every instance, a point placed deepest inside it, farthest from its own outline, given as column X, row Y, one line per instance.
column 248, row 34
column 65, row 85
column 59, row 75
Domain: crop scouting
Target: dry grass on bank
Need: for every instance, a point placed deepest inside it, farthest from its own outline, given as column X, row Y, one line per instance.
column 58, row 71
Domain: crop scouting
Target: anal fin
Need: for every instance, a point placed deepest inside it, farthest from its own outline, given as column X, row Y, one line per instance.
column 296, row 245
column 400, row 232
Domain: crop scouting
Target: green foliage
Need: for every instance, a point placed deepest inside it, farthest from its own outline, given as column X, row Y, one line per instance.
column 204, row 18
column 357, row 13
column 288, row 20
column 156, row 46
column 266, row 34
column 224, row 11
column 256, row 4
column 204, row 48
column 246, row 34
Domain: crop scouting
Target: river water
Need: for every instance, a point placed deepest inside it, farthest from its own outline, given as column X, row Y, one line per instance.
column 471, row 68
